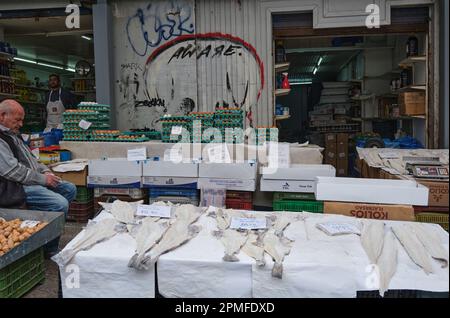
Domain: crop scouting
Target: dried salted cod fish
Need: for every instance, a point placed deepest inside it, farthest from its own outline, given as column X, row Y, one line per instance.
column 277, row 248
column 232, row 240
column 254, row 248
column 387, row 262
column 431, row 242
column 372, row 237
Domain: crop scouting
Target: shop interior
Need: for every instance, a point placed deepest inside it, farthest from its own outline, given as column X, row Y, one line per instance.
column 34, row 48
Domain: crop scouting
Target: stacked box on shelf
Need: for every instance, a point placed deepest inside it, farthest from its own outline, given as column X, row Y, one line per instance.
column 296, row 202
column 239, row 200
column 169, row 122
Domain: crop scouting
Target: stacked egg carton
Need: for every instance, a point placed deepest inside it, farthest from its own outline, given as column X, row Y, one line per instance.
column 207, row 121
column 229, row 118
column 169, row 122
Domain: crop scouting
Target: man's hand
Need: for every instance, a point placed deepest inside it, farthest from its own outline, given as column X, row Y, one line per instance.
column 52, row 180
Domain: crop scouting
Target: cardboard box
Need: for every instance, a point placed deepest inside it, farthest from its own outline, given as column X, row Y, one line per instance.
column 118, row 167
column 148, row 182
column 228, row 184
column 371, row 211
column 330, row 140
column 299, row 172
column 438, row 192
column 268, row 185
column 412, row 103
column 245, row 171
column 78, row 178
column 114, row 182
column 371, row 191
column 169, row 169
column 342, row 138
column 342, row 167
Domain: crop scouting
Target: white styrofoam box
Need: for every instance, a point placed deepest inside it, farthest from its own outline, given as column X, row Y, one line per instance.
column 371, row 191
column 169, row 181
column 268, row 185
column 228, row 184
column 169, row 169
column 299, row 172
column 118, row 167
column 245, row 170
column 114, row 182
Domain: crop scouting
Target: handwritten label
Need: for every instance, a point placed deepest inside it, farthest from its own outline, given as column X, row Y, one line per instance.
column 29, row 223
column 154, row 210
column 139, row 154
column 248, row 223
column 84, row 124
column 219, row 154
column 332, row 228
column 176, row 130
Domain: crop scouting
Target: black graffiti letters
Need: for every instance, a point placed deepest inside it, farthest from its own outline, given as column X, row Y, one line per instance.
column 206, row 52
column 153, row 102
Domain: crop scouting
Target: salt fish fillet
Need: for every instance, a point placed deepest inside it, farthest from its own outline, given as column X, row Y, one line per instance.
column 387, row 262
column 123, row 211
column 281, row 223
column 431, row 242
column 277, row 248
column 372, row 236
column 95, row 233
column 223, row 220
column 232, row 240
column 413, row 247
column 253, row 248
column 148, row 234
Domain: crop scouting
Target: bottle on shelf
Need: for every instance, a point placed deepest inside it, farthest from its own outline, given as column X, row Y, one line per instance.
column 412, row 46
column 280, row 53
column 285, row 84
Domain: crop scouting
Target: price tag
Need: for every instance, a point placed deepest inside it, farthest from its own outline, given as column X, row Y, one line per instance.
column 29, row 223
column 35, row 136
column 84, row 124
column 177, row 130
column 331, row 228
column 248, row 223
column 154, row 210
column 25, row 137
column 219, row 154
column 139, row 154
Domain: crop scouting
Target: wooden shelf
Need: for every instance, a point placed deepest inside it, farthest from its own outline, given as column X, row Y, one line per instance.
column 8, row 95
column 6, row 56
column 30, row 102
column 363, row 97
column 282, row 117
column 7, row 77
column 411, row 60
column 282, row 92
column 282, row 67
column 413, row 87
column 32, row 87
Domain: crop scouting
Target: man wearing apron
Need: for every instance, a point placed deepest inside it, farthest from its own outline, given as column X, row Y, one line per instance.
column 57, row 101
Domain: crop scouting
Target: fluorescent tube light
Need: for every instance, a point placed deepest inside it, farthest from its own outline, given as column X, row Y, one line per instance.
column 24, row 60
column 86, row 37
column 300, row 83
column 320, row 61
column 315, row 70
column 50, row 65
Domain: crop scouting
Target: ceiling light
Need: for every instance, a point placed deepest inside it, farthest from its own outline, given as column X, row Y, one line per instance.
column 51, row 65
column 301, row 83
column 86, row 37
column 320, row 61
column 24, row 60
column 70, row 69
column 315, row 71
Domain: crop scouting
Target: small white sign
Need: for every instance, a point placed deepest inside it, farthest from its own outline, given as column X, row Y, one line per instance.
column 60, row 126
column 84, row 124
column 173, row 154
column 248, row 223
column 219, row 154
column 332, row 228
column 139, row 154
column 177, row 130
column 29, row 223
column 46, row 130
column 154, row 210
column 35, row 136
column 25, row 137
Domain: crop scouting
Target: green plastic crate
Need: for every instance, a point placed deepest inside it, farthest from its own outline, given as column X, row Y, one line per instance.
column 20, row 277
column 278, row 196
column 298, row 206
column 84, row 195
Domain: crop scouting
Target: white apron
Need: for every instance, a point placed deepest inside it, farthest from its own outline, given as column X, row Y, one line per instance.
column 55, row 111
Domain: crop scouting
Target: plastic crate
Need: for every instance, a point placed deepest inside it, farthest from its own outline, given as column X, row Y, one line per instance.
column 279, row 196
column 84, row 195
column 21, row 276
column 156, row 192
column 80, row 212
column 131, row 192
column 240, row 195
column 238, row 205
column 298, row 206
column 436, row 218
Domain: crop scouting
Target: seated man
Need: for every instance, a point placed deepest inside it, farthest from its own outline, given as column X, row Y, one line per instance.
column 43, row 190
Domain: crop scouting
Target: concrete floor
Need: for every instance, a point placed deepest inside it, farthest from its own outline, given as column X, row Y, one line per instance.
column 49, row 289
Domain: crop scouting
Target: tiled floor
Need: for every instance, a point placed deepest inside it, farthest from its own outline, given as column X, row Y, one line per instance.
column 49, row 289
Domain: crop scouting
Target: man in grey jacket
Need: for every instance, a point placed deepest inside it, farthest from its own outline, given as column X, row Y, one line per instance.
column 44, row 191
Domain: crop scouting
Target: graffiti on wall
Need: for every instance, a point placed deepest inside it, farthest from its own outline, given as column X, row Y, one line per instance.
column 179, row 69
